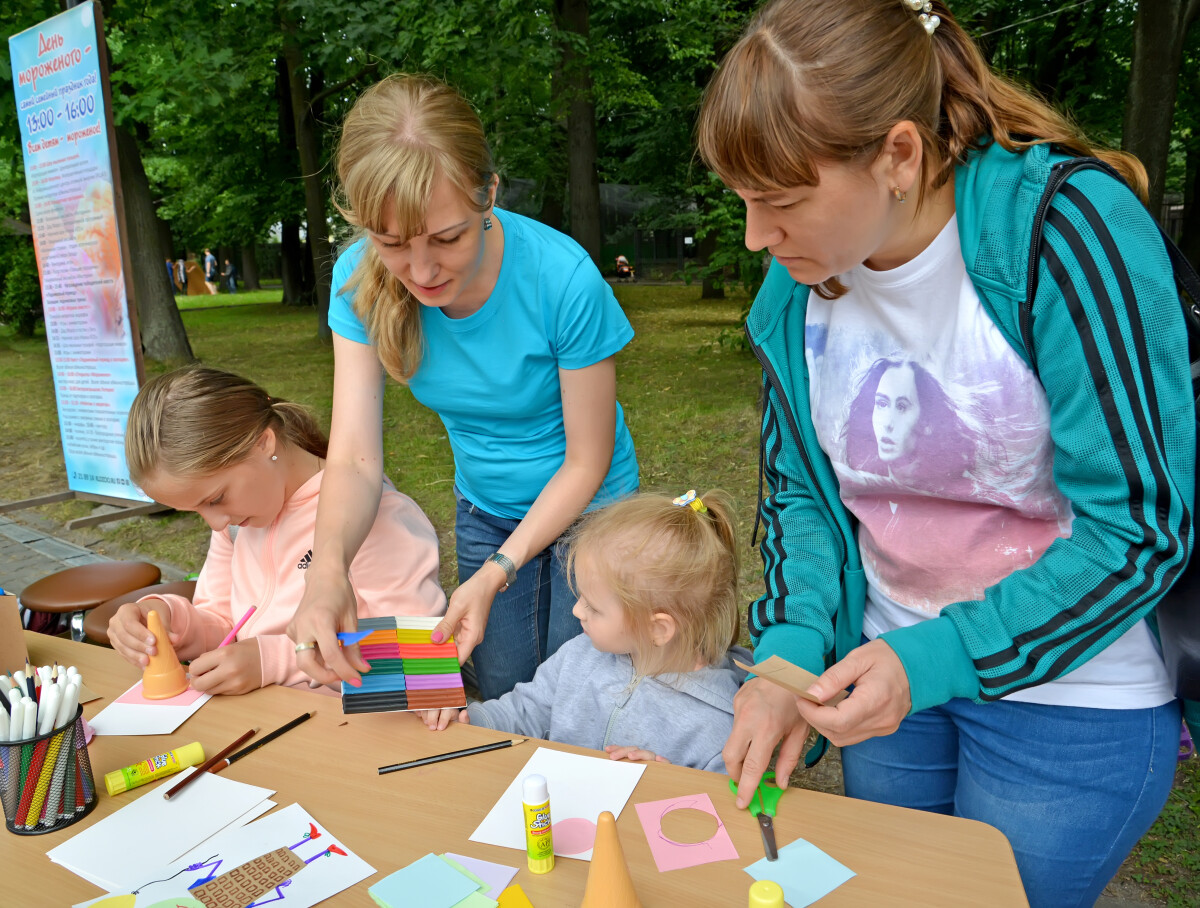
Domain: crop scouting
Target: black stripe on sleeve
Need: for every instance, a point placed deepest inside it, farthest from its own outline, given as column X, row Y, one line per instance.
column 1049, row 632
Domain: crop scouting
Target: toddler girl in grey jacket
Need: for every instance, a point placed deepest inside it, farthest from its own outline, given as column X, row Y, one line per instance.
column 652, row 676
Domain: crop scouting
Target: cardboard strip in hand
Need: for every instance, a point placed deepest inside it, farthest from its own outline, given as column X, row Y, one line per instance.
column 792, row 678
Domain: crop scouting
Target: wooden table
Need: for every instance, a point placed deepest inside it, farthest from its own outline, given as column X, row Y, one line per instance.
column 328, row 765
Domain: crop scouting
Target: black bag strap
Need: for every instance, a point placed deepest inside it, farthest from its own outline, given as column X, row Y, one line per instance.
column 1185, row 275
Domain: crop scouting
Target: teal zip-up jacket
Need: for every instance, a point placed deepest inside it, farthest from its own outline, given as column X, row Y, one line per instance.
column 1106, row 337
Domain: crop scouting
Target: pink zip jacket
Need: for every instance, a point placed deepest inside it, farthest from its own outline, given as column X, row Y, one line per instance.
column 394, row 573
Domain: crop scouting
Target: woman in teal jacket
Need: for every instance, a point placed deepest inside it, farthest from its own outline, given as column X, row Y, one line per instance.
column 988, row 608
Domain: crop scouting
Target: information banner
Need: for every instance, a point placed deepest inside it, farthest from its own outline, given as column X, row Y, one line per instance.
column 60, row 95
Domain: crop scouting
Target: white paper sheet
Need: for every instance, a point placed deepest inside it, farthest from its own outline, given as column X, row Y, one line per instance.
column 327, row 872
column 581, row 788
column 145, row 717
column 151, row 832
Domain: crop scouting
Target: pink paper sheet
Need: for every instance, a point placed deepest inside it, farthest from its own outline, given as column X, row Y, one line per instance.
column 669, row 855
column 134, row 695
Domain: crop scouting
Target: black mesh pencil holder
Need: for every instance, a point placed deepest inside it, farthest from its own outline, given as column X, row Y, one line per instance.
column 46, row 781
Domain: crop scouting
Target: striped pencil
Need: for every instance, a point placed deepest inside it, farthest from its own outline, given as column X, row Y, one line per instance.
column 31, row 769
column 44, row 778
column 53, row 809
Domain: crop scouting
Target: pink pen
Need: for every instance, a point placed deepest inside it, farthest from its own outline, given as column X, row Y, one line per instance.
column 237, row 627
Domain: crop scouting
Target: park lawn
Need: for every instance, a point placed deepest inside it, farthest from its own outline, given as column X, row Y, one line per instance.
column 241, row 298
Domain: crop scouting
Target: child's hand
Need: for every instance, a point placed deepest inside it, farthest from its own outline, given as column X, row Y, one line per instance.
column 633, row 754
column 438, row 719
column 129, row 636
column 232, row 669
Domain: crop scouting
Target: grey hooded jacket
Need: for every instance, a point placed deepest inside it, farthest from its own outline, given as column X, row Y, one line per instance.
column 584, row 697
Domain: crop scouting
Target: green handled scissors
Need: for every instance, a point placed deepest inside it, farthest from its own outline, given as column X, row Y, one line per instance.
column 763, row 806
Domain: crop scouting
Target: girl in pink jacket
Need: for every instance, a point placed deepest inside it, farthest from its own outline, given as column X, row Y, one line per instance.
column 203, row 440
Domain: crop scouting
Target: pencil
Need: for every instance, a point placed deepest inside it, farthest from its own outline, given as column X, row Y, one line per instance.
column 237, row 627
column 210, row 763
column 265, row 739
column 452, row 755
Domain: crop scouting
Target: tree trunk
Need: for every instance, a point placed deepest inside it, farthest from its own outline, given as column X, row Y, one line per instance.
column 291, row 267
column 309, row 148
column 1189, row 238
column 163, row 336
column 1158, row 36
column 583, row 181
column 713, row 287
column 250, row 267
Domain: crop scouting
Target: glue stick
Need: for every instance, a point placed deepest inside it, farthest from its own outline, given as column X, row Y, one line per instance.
column 167, row 764
column 539, row 848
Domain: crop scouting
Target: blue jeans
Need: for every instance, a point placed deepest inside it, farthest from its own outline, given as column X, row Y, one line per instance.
column 1073, row 789
column 529, row 620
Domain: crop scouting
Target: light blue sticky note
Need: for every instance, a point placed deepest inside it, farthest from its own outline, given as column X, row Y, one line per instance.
column 429, row 882
column 805, row 872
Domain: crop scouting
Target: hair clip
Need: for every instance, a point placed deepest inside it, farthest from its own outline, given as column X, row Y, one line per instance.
column 689, row 500
column 928, row 20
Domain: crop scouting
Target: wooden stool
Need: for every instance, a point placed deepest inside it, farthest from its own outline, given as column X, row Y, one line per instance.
column 80, row 589
column 95, row 622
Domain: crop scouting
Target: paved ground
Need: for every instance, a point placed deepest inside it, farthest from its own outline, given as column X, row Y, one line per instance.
column 31, row 548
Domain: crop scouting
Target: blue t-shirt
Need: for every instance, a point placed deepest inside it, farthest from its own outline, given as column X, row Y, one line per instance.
column 492, row 377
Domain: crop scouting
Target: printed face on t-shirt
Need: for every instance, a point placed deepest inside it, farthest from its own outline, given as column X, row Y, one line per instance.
column 897, row 413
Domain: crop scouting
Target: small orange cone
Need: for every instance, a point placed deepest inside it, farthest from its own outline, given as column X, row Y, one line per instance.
column 609, row 884
column 164, row 676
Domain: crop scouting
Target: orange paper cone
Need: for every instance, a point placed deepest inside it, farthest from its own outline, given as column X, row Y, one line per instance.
column 164, row 676
column 609, row 884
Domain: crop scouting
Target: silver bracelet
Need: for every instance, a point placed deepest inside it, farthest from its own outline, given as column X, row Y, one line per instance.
column 506, row 565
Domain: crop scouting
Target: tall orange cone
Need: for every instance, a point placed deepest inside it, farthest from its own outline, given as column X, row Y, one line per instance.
column 164, row 676
column 609, row 884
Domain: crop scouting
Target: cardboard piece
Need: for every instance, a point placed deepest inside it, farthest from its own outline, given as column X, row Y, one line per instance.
column 13, row 654
column 790, row 677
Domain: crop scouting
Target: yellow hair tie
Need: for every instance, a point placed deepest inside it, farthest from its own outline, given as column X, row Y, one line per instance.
column 690, row 500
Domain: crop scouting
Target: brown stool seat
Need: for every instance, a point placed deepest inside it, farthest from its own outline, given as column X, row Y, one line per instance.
column 95, row 622
column 81, row 588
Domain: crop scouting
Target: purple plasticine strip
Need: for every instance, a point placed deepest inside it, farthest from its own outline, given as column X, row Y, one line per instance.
column 433, row 682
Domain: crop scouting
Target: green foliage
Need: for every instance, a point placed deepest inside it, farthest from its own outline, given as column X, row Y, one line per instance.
column 20, row 290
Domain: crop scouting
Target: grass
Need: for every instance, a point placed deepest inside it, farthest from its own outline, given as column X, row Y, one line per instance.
column 690, row 403
column 241, row 298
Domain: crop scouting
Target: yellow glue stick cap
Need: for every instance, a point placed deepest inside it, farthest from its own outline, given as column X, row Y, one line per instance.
column 766, row 894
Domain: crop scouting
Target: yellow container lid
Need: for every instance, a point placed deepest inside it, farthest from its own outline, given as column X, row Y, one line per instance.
column 766, row 894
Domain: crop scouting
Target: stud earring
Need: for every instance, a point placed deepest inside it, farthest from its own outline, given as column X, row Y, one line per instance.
column 899, row 194
column 487, row 223
column 274, row 456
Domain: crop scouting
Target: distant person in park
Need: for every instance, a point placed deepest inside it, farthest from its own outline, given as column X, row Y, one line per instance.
column 171, row 275
column 507, row 330
column 195, row 278
column 896, row 180
column 203, row 440
column 210, row 271
column 230, row 277
column 181, row 275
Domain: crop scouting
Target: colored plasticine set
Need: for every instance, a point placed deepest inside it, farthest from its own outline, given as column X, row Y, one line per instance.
column 408, row 670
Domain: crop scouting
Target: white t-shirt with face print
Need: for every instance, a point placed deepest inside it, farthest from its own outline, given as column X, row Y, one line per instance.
column 940, row 437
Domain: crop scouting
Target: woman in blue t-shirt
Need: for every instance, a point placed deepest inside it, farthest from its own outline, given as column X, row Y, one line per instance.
column 506, row 329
